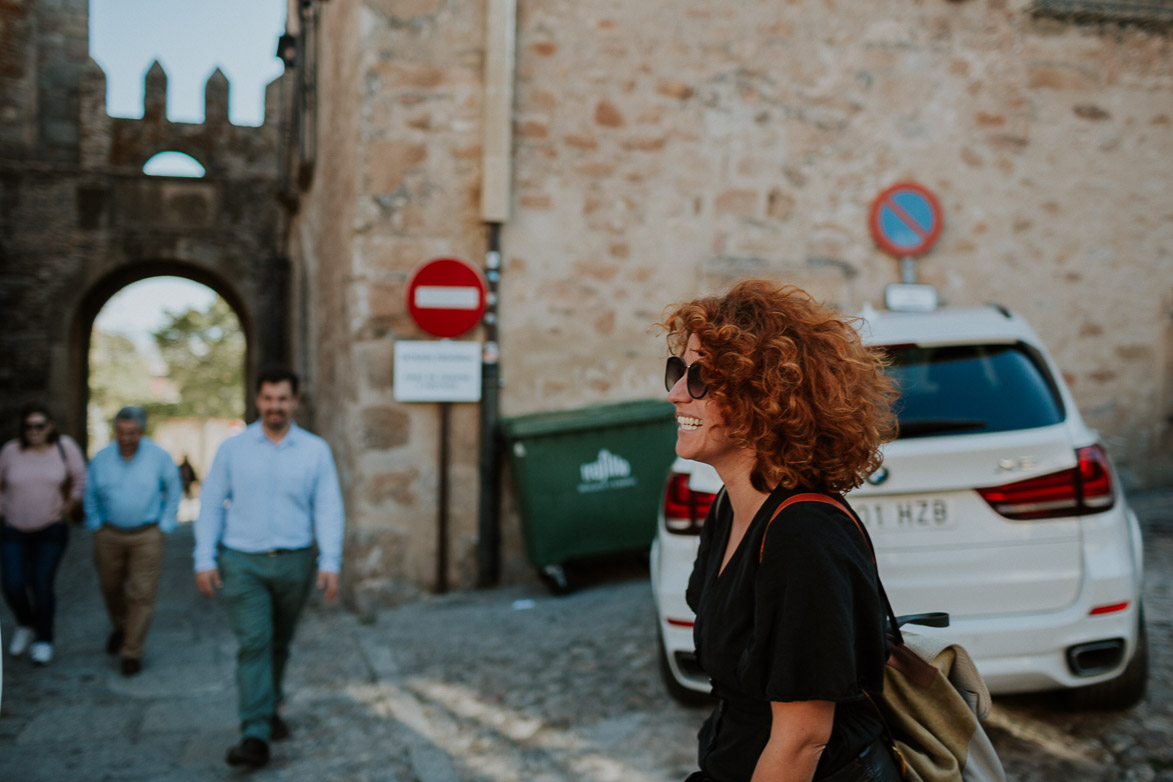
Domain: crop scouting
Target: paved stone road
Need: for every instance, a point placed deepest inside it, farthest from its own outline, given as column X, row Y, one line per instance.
column 507, row 685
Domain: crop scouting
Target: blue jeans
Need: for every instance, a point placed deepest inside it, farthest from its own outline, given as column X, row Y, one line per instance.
column 30, row 561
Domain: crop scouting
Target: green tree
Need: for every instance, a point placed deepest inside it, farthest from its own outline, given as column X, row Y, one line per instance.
column 119, row 375
column 204, row 354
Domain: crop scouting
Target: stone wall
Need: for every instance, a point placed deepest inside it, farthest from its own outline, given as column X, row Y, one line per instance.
column 667, row 149
column 664, row 149
column 396, row 184
column 41, row 57
column 18, row 77
column 79, row 220
column 663, row 154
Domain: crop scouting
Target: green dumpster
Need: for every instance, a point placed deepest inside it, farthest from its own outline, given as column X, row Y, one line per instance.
column 589, row 481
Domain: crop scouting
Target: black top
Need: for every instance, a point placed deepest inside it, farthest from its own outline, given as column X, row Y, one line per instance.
column 804, row 623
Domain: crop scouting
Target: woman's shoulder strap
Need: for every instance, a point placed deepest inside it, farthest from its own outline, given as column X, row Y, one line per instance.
column 814, row 497
column 722, row 494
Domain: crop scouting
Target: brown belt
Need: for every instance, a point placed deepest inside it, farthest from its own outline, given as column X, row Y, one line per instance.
column 129, row 530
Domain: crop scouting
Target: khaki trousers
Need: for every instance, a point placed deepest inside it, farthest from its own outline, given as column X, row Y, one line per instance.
column 129, row 564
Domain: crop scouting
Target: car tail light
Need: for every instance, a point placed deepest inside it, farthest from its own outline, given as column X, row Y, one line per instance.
column 685, row 509
column 1095, row 479
column 1085, row 488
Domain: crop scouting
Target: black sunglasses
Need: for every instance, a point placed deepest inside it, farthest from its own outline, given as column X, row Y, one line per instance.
column 676, row 369
column 37, row 426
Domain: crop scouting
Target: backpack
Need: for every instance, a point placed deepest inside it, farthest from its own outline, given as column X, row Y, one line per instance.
column 933, row 699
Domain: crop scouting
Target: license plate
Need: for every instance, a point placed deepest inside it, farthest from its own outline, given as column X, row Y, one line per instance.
column 929, row 513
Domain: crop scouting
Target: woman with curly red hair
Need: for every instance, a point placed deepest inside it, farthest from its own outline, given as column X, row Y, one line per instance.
column 779, row 395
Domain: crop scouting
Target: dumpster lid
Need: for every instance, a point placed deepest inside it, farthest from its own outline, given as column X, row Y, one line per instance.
column 585, row 418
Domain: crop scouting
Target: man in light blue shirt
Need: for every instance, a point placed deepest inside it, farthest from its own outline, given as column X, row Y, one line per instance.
column 271, row 495
column 132, row 494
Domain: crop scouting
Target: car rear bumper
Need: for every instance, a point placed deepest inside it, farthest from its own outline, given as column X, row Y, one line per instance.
column 1046, row 650
column 1014, row 652
column 1040, row 660
column 1041, row 652
column 681, row 657
column 671, row 564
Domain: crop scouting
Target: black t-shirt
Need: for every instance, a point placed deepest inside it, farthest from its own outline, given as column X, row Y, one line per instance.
column 804, row 623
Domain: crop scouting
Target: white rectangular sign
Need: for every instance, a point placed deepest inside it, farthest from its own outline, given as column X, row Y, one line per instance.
column 437, row 371
column 438, row 297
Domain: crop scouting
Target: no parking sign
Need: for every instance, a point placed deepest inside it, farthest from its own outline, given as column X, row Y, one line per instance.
column 906, row 219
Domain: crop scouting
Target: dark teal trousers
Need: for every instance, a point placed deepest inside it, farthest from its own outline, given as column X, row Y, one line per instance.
column 263, row 595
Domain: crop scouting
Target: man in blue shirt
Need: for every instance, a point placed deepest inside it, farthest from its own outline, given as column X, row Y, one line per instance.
column 271, row 495
column 132, row 494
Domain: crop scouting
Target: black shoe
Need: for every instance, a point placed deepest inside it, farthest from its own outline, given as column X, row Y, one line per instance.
column 278, row 728
column 251, row 751
column 114, row 642
column 131, row 666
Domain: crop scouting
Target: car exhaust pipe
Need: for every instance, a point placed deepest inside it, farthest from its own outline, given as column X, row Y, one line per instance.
column 1095, row 658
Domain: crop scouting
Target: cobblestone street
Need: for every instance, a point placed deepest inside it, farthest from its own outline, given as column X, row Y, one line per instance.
column 504, row 685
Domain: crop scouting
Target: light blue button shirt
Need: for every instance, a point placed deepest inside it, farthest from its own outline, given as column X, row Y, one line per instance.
column 260, row 495
column 130, row 493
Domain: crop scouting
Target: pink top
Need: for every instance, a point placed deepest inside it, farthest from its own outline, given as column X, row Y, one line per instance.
column 31, row 480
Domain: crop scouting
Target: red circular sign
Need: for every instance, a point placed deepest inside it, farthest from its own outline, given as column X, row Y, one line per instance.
column 906, row 219
column 446, row 296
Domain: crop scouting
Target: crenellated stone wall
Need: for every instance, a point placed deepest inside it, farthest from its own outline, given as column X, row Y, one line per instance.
column 79, row 219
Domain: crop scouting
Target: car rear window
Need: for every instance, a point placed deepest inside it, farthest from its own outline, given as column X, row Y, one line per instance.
column 964, row 389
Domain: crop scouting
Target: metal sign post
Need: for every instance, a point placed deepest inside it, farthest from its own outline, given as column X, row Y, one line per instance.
column 446, row 298
column 442, row 510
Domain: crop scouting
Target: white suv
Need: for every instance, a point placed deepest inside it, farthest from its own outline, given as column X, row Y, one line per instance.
column 996, row 504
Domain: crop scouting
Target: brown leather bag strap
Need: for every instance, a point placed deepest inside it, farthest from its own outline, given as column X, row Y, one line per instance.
column 812, row 497
column 67, row 484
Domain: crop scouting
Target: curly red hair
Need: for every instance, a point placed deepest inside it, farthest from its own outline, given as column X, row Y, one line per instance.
column 794, row 381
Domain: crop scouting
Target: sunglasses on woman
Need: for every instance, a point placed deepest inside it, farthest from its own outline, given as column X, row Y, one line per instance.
column 36, row 426
column 676, row 369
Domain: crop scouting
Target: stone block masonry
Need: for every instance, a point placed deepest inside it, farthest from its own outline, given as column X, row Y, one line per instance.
column 664, row 149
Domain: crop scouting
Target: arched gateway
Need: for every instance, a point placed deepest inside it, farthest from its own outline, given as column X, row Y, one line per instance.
column 79, row 220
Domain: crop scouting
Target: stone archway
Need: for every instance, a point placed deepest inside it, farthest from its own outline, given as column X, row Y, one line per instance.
column 103, row 290
column 221, row 233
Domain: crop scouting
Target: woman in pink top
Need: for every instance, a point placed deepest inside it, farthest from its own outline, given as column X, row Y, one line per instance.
column 42, row 476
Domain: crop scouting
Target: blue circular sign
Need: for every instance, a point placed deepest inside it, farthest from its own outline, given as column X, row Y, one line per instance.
column 906, row 219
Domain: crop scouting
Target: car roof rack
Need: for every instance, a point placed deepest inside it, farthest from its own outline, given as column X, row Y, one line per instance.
column 1005, row 312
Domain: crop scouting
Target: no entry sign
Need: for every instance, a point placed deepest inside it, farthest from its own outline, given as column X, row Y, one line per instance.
column 906, row 219
column 446, row 296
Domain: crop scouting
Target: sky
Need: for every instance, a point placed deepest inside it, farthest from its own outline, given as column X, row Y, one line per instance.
column 190, row 38
column 138, row 308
